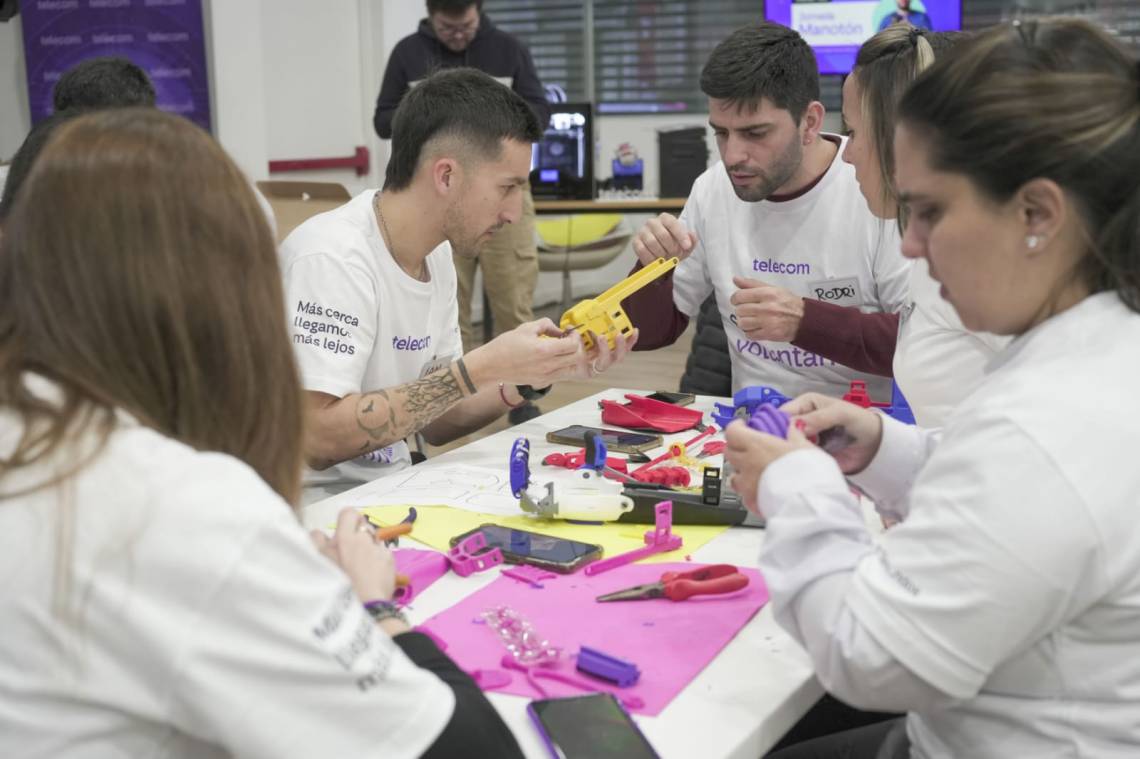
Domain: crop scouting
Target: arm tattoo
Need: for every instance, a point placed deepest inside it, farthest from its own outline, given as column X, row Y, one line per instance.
column 390, row 415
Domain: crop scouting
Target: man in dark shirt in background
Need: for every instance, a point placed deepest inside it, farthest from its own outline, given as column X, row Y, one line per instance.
column 92, row 84
column 457, row 33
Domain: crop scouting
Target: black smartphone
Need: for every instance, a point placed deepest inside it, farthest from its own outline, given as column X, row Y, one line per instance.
column 524, row 547
column 621, row 441
column 677, row 399
column 589, row 727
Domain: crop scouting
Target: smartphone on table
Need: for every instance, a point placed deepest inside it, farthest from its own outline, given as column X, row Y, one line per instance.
column 589, row 727
column 525, row 547
column 677, row 399
column 621, row 441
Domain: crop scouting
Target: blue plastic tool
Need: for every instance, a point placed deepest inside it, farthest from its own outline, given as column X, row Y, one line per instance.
column 520, row 466
column 753, row 396
column 595, row 457
column 899, row 409
column 600, row 664
column 745, row 403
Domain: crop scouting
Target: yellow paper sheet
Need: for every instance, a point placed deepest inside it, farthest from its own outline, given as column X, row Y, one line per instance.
column 436, row 525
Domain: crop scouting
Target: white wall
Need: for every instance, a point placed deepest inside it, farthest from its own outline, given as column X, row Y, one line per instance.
column 237, row 81
column 15, row 119
column 324, row 63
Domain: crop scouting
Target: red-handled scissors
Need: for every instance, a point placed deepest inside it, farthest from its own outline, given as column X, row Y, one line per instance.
column 677, row 586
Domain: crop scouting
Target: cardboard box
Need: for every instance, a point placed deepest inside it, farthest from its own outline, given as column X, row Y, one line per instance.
column 293, row 202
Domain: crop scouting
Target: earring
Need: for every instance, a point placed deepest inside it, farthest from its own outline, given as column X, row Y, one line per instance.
column 1032, row 241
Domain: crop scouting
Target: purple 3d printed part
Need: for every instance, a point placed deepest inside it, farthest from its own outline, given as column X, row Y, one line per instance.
column 599, row 664
column 546, row 672
column 520, row 466
column 746, row 401
column 771, row 420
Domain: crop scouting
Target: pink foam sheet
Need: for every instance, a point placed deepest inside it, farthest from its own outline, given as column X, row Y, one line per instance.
column 671, row 642
column 422, row 568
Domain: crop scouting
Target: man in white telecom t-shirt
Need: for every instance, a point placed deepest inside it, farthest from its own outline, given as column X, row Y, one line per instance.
column 371, row 290
column 777, row 226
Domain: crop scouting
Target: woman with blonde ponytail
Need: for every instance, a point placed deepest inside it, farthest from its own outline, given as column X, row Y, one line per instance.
column 1003, row 613
column 935, row 361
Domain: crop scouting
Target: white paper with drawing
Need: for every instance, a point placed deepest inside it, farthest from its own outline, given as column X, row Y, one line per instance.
column 470, row 488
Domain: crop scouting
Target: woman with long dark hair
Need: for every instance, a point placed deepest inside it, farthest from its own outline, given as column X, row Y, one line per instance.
column 158, row 596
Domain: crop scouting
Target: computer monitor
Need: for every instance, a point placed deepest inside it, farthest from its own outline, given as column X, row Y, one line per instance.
column 837, row 28
column 562, row 164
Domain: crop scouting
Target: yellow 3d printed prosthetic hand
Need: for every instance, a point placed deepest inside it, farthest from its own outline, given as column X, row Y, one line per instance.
column 603, row 315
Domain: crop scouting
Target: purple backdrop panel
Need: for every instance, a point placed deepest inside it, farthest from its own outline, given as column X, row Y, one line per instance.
column 164, row 37
column 671, row 642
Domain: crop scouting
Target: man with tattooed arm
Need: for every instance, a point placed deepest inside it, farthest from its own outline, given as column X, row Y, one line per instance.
column 371, row 290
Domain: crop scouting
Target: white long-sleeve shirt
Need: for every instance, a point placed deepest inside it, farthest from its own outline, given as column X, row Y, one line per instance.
column 1004, row 613
column 194, row 617
column 938, row 362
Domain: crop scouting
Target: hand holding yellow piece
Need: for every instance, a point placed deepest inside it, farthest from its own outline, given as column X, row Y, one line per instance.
column 603, row 315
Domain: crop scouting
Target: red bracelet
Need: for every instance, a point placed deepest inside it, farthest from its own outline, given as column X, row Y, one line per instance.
column 503, row 395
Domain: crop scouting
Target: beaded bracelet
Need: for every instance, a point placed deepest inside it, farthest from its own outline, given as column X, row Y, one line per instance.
column 382, row 609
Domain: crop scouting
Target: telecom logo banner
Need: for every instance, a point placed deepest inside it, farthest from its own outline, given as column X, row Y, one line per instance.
column 163, row 37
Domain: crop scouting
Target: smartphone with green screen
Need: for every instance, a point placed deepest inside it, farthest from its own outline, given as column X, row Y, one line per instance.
column 593, row 726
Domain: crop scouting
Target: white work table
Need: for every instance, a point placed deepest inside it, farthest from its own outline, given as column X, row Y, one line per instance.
column 739, row 705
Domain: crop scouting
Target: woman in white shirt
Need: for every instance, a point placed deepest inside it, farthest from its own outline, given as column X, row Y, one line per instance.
column 1003, row 613
column 157, row 595
column 936, row 361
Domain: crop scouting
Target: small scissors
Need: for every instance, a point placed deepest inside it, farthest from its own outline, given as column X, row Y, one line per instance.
column 677, row 586
column 391, row 535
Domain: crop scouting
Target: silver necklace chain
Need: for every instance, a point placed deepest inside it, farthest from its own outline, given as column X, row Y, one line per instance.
column 422, row 275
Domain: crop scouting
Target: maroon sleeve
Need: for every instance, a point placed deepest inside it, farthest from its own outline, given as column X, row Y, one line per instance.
column 653, row 313
column 864, row 342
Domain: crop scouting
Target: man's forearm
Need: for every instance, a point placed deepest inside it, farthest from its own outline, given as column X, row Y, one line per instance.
column 363, row 422
column 473, row 414
column 651, row 309
column 864, row 342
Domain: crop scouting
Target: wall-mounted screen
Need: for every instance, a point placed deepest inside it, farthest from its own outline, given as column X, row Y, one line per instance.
column 836, row 28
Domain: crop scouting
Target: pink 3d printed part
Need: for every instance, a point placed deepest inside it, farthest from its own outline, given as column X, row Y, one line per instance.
column 532, row 576
column 472, row 556
column 422, row 568
column 536, row 672
column 646, row 413
column 658, row 540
